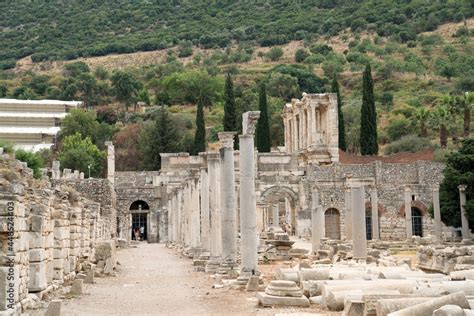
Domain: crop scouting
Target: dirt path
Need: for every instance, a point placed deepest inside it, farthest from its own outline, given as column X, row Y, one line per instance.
column 155, row 281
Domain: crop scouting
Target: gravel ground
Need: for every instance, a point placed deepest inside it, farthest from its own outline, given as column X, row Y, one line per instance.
column 154, row 280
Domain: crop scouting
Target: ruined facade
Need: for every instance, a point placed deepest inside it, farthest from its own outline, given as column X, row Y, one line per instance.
column 289, row 181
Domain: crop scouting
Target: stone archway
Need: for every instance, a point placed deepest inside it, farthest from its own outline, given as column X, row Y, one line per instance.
column 286, row 200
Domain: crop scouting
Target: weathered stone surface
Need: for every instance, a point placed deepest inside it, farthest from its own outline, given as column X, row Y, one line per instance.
column 270, row 300
column 54, row 308
column 76, row 288
column 449, row 310
column 253, row 284
column 428, row 307
column 283, row 288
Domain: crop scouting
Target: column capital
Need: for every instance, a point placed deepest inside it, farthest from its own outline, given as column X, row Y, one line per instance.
column 407, row 188
column 249, row 122
column 226, row 139
column 435, row 187
column 108, row 143
column 462, row 187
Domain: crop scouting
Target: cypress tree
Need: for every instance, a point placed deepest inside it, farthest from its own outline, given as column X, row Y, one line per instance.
column 342, row 131
column 230, row 117
column 200, row 136
column 230, row 122
column 263, row 126
column 368, row 117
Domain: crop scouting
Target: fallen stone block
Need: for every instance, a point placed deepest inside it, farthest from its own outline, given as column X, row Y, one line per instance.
column 353, row 308
column 270, row 300
column 89, row 277
column 449, row 310
column 428, row 307
column 76, row 288
column 253, row 284
column 386, row 306
column 54, row 308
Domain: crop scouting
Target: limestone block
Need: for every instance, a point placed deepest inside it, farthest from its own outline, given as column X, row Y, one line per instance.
column 36, row 255
column 76, row 288
column 37, row 277
column 287, row 274
column 428, row 307
column 449, row 310
column 353, row 308
column 252, row 284
column 54, row 308
column 58, row 274
column 36, row 240
column 90, row 276
column 105, row 250
column 269, row 300
column 37, row 223
column 61, row 233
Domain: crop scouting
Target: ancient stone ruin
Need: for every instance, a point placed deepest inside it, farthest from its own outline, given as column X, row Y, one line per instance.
column 236, row 213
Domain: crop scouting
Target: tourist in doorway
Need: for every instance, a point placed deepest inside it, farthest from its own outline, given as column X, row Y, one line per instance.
column 136, row 233
column 142, row 232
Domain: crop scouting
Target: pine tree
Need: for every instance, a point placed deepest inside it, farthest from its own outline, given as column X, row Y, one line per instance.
column 368, row 117
column 200, row 136
column 263, row 126
column 342, row 132
column 230, row 116
column 163, row 137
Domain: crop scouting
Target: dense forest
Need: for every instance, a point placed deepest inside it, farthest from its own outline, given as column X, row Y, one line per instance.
column 50, row 30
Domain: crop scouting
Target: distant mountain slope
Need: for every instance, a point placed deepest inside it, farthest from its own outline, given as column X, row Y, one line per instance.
column 70, row 29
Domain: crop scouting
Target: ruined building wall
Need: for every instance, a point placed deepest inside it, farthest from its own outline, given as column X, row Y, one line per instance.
column 47, row 234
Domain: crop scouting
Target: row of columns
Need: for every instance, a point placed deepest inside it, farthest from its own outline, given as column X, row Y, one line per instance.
column 203, row 213
column 302, row 128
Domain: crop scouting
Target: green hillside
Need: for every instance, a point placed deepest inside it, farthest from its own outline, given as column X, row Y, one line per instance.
column 421, row 54
column 49, row 30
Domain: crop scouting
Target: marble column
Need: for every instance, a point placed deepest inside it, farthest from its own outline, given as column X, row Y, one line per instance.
column 375, row 213
column 110, row 161
column 205, row 218
column 276, row 211
column 348, row 207
column 466, row 233
column 216, row 236
column 56, row 171
column 195, row 218
column 248, row 203
column 359, row 236
column 312, row 126
column 437, row 214
column 317, row 222
column 408, row 219
column 296, row 145
column 301, row 131
column 228, row 199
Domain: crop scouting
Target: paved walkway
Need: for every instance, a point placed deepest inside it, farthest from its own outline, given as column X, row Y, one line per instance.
column 155, row 281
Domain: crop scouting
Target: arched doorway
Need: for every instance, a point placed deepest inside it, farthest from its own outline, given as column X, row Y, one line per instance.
column 139, row 212
column 368, row 223
column 286, row 200
column 332, row 223
column 417, row 221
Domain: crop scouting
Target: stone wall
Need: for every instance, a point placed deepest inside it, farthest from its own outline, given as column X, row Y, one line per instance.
column 47, row 234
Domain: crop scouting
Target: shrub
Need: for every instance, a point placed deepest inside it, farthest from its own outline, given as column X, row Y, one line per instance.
column 7, row 147
column 33, row 160
column 314, row 59
column 322, row 49
column 274, row 53
column 409, row 143
column 301, row 54
column 398, row 127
